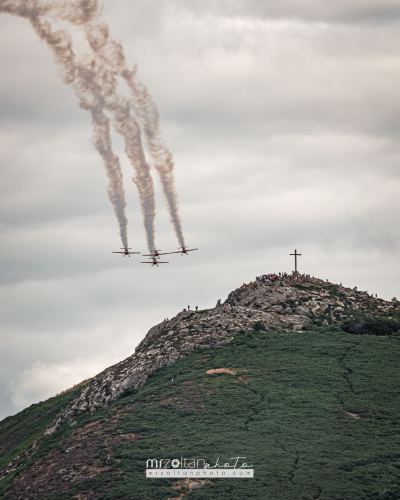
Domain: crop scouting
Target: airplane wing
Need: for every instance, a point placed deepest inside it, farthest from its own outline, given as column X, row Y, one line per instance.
column 155, row 263
column 131, row 253
column 181, row 251
column 154, row 255
column 118, row 252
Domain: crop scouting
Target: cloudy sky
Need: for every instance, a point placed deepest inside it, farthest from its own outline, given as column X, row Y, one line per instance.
column 284, row 121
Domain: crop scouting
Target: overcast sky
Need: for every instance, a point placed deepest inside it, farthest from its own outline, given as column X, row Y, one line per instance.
column 284, row 121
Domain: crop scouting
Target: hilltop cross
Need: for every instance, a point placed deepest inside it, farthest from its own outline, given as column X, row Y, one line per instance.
column 295, row 261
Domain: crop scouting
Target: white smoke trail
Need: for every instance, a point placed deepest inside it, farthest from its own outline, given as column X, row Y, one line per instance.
column 61, row 45
column 95, row 81
column 111, row 54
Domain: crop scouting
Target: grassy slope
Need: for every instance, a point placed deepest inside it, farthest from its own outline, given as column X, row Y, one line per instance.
column 20, row 430
column 285, row 416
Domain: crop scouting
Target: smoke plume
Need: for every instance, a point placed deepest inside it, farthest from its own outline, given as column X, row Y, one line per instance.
column 162, row 157
column 94, row 78
column 88, row 93
column 111, row 53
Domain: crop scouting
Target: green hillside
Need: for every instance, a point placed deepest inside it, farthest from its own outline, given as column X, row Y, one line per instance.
column 316, row 413
column 284, row 410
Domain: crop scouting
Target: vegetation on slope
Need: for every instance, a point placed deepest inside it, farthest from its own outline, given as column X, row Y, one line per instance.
column 316, row 413
column 19, row 431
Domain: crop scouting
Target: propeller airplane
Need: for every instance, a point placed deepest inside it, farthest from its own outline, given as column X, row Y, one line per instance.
column 126, row 252
column 156, row 253
column 154, row 262
column 185, row 250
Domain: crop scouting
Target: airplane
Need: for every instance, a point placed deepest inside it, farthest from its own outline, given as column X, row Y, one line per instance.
column 156, row 253
column 185, row 250
column 155, row 262
column 125, row 252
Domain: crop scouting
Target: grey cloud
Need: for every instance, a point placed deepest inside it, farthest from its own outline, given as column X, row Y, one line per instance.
column 356, row 11
column 293, row 77
column 30, row 87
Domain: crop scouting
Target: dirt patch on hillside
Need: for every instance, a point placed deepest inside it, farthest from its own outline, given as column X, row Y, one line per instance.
column 190, row 484
column 354, row 415
column 227, row 370
column 222, row 370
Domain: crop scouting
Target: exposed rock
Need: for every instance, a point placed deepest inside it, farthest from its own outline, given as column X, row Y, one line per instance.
column 277, row 305
column 169, row 341
column 302, row 311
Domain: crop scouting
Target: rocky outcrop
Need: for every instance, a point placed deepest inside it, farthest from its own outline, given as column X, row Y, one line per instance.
column 309, row 297
column 165, row 344
column 287, row 303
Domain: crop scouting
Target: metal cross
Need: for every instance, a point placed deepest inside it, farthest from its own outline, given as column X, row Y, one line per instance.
column 295, row 259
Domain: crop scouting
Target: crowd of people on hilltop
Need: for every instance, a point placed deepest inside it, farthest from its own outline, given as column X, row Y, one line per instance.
column 271, row 278
column 268, row 278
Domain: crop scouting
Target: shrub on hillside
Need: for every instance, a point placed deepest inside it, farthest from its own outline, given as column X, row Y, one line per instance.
column 385, row 495
column 371, row 326
column 259, row 326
